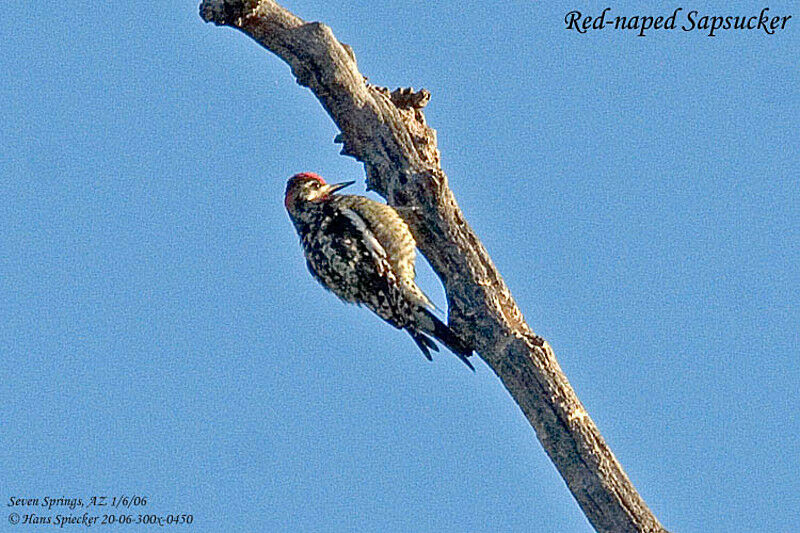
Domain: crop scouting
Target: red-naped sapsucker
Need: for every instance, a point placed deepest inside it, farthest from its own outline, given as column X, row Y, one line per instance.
column 363, row 252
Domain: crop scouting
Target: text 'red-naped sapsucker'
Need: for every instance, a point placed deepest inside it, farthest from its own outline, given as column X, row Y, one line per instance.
column 363, row 252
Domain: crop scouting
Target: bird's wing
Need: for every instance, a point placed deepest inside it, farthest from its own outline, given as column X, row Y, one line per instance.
column 354, row 265
column 373, row 244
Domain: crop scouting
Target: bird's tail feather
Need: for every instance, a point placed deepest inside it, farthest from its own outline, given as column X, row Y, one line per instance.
column 440, row 331
column 424, row 343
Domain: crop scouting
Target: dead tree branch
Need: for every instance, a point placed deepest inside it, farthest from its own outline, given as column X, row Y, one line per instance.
column 387, row 132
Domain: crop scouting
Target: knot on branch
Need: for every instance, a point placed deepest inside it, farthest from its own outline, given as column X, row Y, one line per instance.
column 532, row 339
column 222, row 12
column 406, row 98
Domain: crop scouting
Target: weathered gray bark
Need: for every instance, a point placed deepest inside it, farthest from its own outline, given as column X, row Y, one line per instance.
column 387, row 132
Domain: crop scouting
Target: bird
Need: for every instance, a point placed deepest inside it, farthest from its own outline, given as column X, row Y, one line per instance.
column 363, row 252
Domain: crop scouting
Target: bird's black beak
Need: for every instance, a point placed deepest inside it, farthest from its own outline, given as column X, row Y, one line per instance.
column 339, row 186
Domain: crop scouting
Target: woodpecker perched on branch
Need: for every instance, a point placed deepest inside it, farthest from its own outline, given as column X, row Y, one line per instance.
column 363, row 252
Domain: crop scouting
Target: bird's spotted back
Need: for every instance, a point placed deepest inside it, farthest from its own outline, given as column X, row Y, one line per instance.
column 346, row 257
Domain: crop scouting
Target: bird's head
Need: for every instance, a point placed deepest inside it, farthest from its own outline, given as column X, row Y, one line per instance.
column 308, row 187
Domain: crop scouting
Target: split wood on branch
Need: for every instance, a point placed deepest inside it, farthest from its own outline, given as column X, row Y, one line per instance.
column 387, row 132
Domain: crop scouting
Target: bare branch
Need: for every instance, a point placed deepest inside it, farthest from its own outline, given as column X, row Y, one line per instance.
column 388, row 133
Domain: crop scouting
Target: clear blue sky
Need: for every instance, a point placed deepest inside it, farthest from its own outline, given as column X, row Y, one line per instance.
column 161, row 336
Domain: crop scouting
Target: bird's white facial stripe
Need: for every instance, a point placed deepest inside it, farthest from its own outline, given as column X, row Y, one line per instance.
column 311, row 191
column 369, row 238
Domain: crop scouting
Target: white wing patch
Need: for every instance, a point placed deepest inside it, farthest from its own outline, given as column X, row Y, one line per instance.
column 369, row 238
